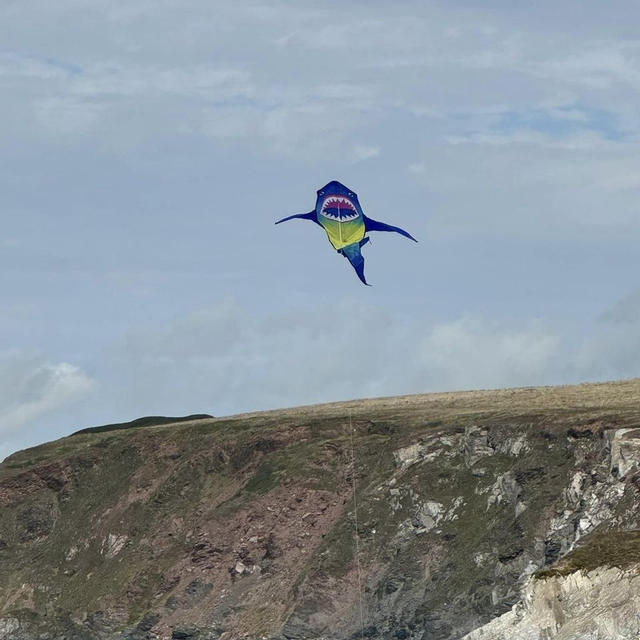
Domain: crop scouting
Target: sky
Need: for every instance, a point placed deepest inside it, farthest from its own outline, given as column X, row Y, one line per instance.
column 147, row 147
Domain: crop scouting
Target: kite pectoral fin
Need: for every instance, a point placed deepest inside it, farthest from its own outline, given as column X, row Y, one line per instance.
column 352, row 253
column 374, row 225
column 311, row 215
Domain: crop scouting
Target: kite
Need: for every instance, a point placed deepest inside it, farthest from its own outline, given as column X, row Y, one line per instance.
column 339, row 213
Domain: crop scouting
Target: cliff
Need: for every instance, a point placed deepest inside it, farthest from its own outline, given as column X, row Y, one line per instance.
column 487, row 515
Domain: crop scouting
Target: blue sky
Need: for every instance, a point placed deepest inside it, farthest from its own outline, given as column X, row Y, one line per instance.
column 149, row 146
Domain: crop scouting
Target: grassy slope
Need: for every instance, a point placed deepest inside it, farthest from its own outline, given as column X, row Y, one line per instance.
column 166, row 492
column 617, row 402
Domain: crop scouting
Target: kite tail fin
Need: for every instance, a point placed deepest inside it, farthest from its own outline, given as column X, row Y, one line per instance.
column 352, row 253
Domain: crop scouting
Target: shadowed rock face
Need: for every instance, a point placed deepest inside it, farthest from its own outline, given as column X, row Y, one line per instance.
column 244, row 527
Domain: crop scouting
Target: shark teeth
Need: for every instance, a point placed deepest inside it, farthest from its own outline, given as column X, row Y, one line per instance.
column 338, row 200
column 340, row 218
column 338, row 208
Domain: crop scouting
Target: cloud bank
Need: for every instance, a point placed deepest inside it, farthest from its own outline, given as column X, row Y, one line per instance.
column 33, row 390
column 225, row 360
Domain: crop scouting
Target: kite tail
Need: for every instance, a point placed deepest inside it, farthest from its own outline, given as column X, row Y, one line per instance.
column 352, row 253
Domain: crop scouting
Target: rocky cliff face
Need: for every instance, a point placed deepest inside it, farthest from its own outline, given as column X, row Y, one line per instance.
column 602, row 603
column 485, row 515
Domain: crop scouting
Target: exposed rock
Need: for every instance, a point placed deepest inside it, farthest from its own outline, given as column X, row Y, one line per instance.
column 603, row 604
column 515, row 446
column 113, row 544
column 8, row 626
column 185, row 634
column 428, row 515
column 476, row 445
column 408, row 456
column 35, row 521
column 148, row 622
column 625, row 451
column 246, row 527
column 72, row 553
column 196, row 591
column 576, row 489
column 240, row 568
column 505, row 489
column 193, row 594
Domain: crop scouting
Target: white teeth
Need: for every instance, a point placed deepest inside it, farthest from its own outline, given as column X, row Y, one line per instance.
column 344, row 218
column 347, row 210
column 337, row 200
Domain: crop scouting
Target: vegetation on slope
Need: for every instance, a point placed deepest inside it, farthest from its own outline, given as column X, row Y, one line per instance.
column 246, row 524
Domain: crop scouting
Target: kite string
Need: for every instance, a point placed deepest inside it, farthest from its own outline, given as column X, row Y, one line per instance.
column 355, row 517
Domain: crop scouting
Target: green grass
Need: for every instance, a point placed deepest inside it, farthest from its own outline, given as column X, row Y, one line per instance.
column 147, row 421
column 601, row 549
column 138, row 478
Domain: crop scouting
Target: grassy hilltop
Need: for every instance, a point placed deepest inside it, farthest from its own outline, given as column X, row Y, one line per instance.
column 244, row 526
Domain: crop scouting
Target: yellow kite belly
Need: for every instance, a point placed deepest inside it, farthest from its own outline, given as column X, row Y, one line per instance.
column 341, row 234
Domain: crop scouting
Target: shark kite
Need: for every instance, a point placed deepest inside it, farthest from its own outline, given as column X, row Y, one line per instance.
column 339, row 213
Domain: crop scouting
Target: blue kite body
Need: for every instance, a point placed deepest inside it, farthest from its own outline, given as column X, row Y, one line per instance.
column 339, row 213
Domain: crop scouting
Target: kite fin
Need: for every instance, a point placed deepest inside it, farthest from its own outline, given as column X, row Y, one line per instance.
column 305, row 216
column 374, row 225
column 352, row 253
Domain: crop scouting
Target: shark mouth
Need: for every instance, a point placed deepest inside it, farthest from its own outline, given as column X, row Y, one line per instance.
column 338, row 208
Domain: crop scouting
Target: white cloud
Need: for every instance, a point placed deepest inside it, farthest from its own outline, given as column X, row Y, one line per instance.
column 417, row 168
column 595, row 65
column 68, row 114
column 118, row 81
column 625, row 310
column 32, row 389
column 612, row 349
column 365, row 152
column 533, row 183
column 140, row 135
column 473, row 353
column 291, row 74
column 225, row 360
